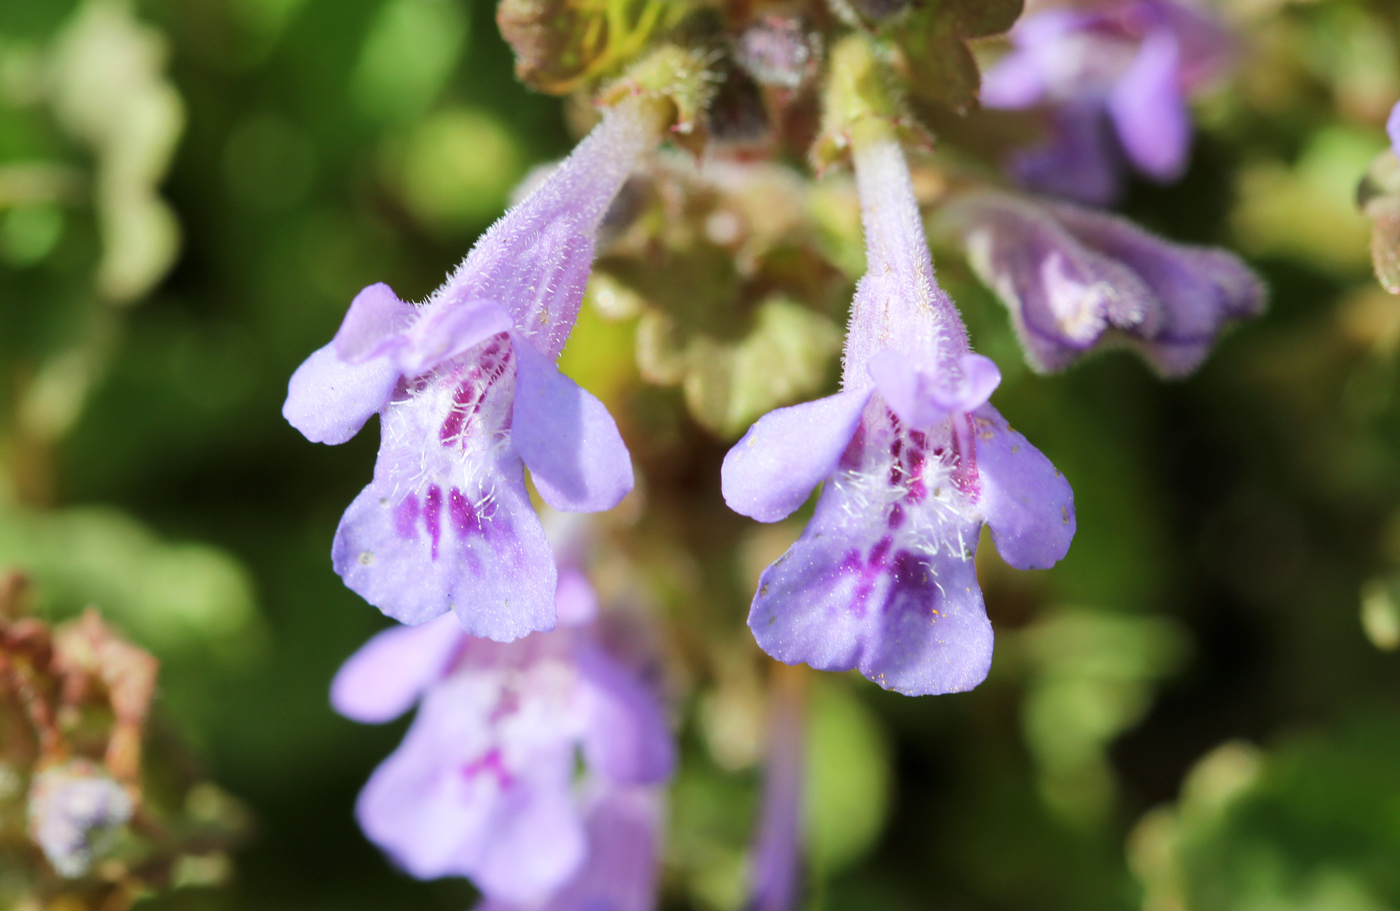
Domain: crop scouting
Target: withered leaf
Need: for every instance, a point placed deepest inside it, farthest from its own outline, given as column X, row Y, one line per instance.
column 1379, row 198
column 1384, row 212
column 555, row 41
column 561, row 45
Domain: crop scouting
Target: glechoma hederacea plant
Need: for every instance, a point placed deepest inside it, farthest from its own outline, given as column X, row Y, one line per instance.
column 849, row 351
column 910, row 455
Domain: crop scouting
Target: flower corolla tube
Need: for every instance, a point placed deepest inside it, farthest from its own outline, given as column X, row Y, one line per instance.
column 1114, row 81
column 914, row 459
column 776, row 869
column 1392, row 129
column 528, row 765
column 466, row 389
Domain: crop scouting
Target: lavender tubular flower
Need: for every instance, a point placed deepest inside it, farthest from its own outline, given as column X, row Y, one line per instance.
column 1115, row 83
column 623, row 829
column 483, row 784
column 467, row 391
column 915, row 462
column 1075, row 280
column 1392, row 129
column 776, row 875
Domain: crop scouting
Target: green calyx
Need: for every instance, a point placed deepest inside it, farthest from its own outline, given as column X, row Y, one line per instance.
column 564, row 45
column 861, row 102
column 671, row 74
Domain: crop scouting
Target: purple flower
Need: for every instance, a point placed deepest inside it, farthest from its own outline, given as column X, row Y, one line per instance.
column 619, row 873
column 915, row 462
column 1114, row 82
column 1076, row 279
column 483, row 784
column 1392, row 127
column 75, row 813
column 777, row 860
column 466, row 390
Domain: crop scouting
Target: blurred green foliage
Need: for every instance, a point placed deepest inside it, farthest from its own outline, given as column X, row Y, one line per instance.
column 1309, row 824
column 192, row 191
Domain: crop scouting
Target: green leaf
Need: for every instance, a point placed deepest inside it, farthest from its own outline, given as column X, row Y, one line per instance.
column 1092, row 676
column 1307, row 826
column 170, row 597
column 941, row 69
column 848, row 777
column 783, row 358
column 110, row 90
column 409, row 53
column 982, row 18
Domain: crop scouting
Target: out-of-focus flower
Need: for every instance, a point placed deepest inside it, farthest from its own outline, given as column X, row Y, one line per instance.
column 1076, row 280
column 623, row 826
column 1378, row 197
column 466, row 389
column 777, row 859
column 915, row 462
column 483, row 784
column 1392, row 127
column 74, row 705
column 778, row 50
column 75, row 812
column 1114, row 81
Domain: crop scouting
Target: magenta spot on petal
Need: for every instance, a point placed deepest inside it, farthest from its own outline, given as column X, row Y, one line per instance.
column 896, row 517
column 868, row 571
column 913, row 586
column 465, row 402
column 910, row 570
column 965, row 476
column 851, row 458
column 491, row 764
column 917, row 490
column 451, row 427
column 472, row 391
column 406, row 517
column 509, row 705
column 432, row 515
column 465, row 519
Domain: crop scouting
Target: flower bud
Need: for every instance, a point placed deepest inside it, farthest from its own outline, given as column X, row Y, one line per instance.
column 777, row 51
column 75, row 811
